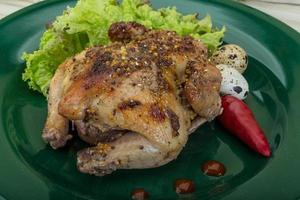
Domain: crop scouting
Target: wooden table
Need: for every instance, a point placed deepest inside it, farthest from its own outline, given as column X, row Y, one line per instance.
column 287, row 11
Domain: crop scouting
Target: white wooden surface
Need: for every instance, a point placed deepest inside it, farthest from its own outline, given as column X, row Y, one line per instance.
column 287, row 11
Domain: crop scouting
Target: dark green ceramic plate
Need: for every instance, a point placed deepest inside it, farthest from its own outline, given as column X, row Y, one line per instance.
column 29, row 169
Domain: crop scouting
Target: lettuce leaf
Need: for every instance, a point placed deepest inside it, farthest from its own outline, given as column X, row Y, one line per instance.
column 87, row 24
column 41, row 64
column 211, row 39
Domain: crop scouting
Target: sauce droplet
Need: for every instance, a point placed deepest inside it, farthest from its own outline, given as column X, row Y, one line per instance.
column 184, row 186
column 139, row 194
column 213, row 168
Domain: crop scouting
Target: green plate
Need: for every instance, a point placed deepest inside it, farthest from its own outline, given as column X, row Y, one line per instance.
column 29, row 169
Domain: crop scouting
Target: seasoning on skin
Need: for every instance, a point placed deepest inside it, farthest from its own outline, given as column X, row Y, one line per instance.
column 174, row 120
column 129, row 104
column 157, row 113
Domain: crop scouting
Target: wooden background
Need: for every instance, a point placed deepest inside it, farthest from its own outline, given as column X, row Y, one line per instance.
column 287, row 11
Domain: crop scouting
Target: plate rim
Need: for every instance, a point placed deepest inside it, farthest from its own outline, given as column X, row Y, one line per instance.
column 277, row 23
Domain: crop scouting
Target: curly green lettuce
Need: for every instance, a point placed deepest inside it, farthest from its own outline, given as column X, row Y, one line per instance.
column 87, row 24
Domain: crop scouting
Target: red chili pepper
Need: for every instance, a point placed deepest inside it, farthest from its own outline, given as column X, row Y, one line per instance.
column 239, row 120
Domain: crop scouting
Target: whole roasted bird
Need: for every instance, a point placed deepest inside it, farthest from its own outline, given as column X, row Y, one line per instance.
column 133, row 100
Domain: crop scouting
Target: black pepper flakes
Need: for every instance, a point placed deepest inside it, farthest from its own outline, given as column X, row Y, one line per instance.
column 129, row 104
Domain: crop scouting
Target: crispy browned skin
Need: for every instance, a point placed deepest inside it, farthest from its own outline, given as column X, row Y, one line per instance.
column 125, row 32
column 149, row 84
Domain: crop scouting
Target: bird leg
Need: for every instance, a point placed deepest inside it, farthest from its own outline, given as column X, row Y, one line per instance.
column 56, row 128
column 202, row 89
column 131, row 151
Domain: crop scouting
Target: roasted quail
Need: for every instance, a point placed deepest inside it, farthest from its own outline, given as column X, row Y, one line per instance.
column 133, row 100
